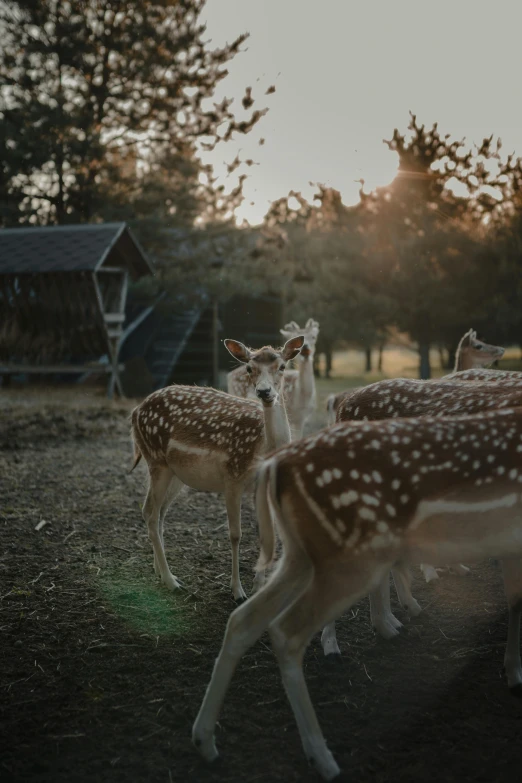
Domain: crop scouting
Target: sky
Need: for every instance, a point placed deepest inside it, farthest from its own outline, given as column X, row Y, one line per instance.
column 347, row 73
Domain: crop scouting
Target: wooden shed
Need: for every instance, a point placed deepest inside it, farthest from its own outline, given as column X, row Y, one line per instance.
column 63, row 292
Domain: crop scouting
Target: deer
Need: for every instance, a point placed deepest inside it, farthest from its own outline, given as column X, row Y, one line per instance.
column 404, row 398
column 471, row 354
column 347, row 511
column 210, row 441
column 299, row 392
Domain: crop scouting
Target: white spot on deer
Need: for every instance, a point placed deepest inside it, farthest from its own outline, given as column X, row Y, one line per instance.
column 513, row 473
column 501, row 470
column 354, row 474
column 404, row 498
column 382, row 527
column 327, row 476
column 395, row 484
column 370, row 500
column 337, row 473
column 349, row 497
column 319, row 481
column 367, row 513
column 310, row 467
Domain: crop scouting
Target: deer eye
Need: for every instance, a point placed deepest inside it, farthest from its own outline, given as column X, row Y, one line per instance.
column 249, row 369
column 282, row 367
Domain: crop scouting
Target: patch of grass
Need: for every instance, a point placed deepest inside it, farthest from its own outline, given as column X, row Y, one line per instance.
column 145, row 607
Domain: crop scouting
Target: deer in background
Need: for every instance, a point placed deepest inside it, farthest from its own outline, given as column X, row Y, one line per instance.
column 299, row 391
column 339, row 545
column 471, row 354
column 211, row 441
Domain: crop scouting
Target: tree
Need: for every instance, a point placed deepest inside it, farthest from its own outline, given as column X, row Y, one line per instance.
column 428, row 233
column 102, row 103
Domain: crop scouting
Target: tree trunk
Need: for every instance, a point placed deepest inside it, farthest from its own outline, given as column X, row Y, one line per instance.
column 452, row 355
column 368, row 352
column 424, row 367
column 328, row 357
column 379, row 363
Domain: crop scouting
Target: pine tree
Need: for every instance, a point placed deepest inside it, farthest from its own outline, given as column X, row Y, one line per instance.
column 102, row 103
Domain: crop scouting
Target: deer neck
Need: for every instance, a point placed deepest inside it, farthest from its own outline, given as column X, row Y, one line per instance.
column 306, row 378
column 463, row 361
column 277, row 429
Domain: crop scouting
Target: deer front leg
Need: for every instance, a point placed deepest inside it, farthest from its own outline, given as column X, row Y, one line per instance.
column 429, row 572
column 233, row 503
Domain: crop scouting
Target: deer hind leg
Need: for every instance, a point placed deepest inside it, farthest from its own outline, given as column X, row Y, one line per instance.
column 381, row 615
column 326, row 597
column 233, row 495
column 402, row 580
column 382, row 618
column 512, row 573
column 163, row 483
column 172, row 492
column 245, row 626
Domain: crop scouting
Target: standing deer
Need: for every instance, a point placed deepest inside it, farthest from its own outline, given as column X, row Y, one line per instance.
column 350, row 503
column 470, row 355
column 406, row 397
column 211, row 441
column 299, row 384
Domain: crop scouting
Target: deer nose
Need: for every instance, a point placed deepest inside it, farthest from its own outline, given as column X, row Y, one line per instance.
column 264, row 394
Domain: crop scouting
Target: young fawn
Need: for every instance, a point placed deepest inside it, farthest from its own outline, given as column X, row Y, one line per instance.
column 211, row 441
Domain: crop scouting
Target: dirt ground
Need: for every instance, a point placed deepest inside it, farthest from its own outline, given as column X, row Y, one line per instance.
column 103, row 671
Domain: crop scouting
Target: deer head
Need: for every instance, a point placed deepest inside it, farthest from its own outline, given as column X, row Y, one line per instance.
column 477, row 353
column 266, row 366
column 310, row 333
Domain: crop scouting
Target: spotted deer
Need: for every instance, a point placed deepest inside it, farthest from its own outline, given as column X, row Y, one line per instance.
column 299, row 384
column 349, row 505
column 471, row 354
column 211, row 441
column 402, row 398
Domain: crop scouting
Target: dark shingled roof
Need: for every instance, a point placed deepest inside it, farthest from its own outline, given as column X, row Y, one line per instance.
column 72, row 248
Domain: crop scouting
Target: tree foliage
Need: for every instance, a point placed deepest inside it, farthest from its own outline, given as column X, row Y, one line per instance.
column 433, row 253
column 102, row 108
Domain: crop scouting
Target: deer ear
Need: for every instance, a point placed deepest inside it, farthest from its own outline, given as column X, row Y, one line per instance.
column 238, row 350
column 473, row 335
column 466, row 340
column 292, row 348
column 310, row 324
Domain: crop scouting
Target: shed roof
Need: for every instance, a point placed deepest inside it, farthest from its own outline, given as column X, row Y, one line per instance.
column 71, row 248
